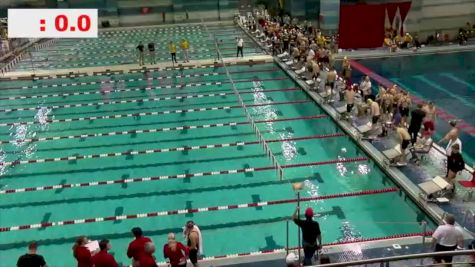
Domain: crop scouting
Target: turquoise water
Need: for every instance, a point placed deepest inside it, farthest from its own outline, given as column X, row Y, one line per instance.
column 446, row 79
column 116, row 47
column 224, row 231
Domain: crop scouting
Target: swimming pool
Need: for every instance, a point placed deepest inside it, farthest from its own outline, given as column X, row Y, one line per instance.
column 119, row 47
column 178, row 149
column 446, row 79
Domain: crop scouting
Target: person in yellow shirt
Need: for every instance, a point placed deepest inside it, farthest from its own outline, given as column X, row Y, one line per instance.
column 172, row 50
column 398, row 40
column 185, row 46
column 407, row 41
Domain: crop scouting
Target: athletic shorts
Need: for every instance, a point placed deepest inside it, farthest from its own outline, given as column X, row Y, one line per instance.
column 349, row 107
column 193, row 256
column 429, row 126
column 404, row 112
column 405, row 144
column 375, row 119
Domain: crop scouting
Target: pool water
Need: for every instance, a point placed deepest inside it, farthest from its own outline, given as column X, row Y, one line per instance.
column 224, row 231
column 119, row 47
column 446, row 79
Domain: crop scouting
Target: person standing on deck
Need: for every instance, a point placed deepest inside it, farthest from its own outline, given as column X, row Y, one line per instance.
column 311, row 235
column 429, row 120
column 455, row 164
column 172, row 50
column 194, row 242
column 446, row 237
column 405, row 140
column 140, row 48
column 365, row 87
column 103, row 258
column 31, row 259
column 417, row 116
column 240, row 45
column 452, row 137
column 151, row 51
column 185, row 45
column 137, row 246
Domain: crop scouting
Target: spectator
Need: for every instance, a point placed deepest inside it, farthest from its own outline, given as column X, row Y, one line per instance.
column 194, row 241
column 446, row 238
column 151, row 51
column 185, row 45
column 82, row 253
column 147, row 259
column 365, row 87
column 417, row 116
column 175, row 251
column 31, row 258
column 311, row 235
column 455, row 164
column 103, row 258
column 137, row 246
column 172, row 50
column 140, row 48
column 240, row 45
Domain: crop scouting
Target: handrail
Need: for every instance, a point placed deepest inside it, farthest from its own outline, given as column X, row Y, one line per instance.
column 399, row 258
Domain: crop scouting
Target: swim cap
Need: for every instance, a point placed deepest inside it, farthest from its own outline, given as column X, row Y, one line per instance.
column 309, row 212
column 291, row 258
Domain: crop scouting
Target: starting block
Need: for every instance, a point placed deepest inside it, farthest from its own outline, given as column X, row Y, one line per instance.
column 435, row 189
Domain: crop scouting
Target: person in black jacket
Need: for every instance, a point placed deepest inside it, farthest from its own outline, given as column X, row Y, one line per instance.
column 31, row 259
column 455, row 164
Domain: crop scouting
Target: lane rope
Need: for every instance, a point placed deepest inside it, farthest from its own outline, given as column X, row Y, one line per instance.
column 151, row 113
column 142, row 100
column 194, row 210
column 177, row 176
column 164, row 150
column 178, row 128
column 135, row 89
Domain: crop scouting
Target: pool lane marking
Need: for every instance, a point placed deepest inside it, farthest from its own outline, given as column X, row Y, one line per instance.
column 144, row 100
column 164, row 150
column 196, row 210
column 177, row 176
column 178, row 128
column 152, row 113
column 469, row 129
column 94, row 92
column 206, row 74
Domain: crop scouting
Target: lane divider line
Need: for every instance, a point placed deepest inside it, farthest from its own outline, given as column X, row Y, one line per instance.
column 177, row 176
column 206, row 74
column 152, row 113
column 178, row 128
column 194, row 210
column 142, row 100
column 94, row 92
column 164, row 150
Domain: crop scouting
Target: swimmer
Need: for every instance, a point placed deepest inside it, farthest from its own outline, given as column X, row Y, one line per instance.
column 452, row 137
column 405, row 140
column 375, row 111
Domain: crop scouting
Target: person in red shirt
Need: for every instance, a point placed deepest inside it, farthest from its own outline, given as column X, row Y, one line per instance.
column 146, row 259
column 103, row 258
column 175, row 251
column 81, row 253
column 137, row 246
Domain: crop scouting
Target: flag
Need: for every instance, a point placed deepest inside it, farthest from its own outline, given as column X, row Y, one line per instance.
column 387, row 23
column 397, row 23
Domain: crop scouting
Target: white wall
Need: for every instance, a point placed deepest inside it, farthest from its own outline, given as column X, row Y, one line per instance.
column 427, row 16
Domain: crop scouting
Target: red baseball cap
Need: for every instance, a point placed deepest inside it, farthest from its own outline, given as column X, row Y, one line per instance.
column 309, row 212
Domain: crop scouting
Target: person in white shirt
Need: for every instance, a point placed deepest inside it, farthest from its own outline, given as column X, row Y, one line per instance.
column 365, row 87
column 240, row 44
column 447, row 237
column 310, row 55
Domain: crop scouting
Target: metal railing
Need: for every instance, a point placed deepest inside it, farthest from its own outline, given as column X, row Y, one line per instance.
column 262, row 141
column 385, row 261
